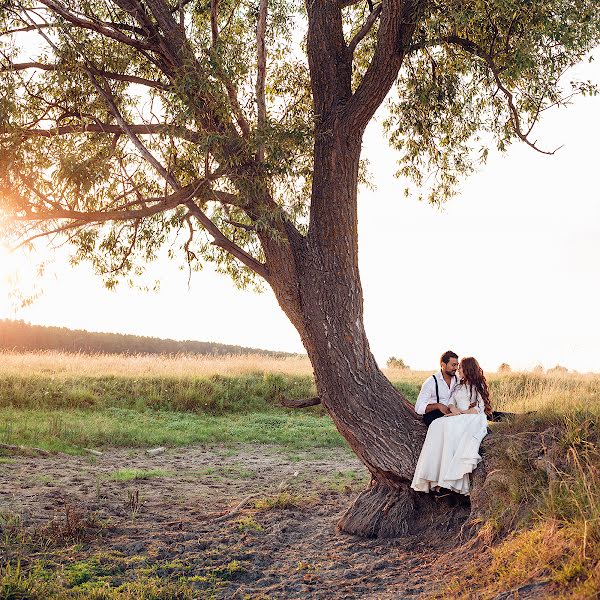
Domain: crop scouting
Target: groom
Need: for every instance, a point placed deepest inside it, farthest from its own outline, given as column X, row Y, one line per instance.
column 433, row 398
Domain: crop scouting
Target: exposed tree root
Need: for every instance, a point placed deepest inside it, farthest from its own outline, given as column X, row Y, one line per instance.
column 385, row 512
column 236, row 510
column 300, row 403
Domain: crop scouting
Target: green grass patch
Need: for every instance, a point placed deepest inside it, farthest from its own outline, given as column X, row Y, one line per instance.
column 245, row 524
column 216, row 394
column 132, row 474
column 72, row 430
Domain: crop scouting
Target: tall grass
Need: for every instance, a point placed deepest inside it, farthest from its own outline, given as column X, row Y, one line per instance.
column 540, row 518
column 215, row 394
column 55, row 363
column 557, row 394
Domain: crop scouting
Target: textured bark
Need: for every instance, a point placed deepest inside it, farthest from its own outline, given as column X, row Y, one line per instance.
column 317, row 283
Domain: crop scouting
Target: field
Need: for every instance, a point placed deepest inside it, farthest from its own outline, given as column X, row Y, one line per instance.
column 244, row 500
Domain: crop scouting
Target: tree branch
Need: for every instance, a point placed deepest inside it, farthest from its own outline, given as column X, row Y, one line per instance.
column 138, row 129
column 472, row 48
column 97, row 26
column 300, row 403
column 261, row 77
column 107, row 74
column 214, row 22
column 221, row 240
column 181, row 196
column 368, row 24
column 398, row 19
column 241, row 225
column 328, row 60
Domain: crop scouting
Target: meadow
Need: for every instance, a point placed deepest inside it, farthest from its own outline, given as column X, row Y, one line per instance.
column 64, row 402
column 539, row 523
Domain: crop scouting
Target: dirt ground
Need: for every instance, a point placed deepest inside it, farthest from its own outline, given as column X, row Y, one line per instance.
column 282, row 543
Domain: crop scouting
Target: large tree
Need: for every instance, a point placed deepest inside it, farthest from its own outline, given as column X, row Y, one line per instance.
column 238, row 125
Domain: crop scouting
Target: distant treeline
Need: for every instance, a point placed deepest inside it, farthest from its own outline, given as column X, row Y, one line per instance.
column 18, row 335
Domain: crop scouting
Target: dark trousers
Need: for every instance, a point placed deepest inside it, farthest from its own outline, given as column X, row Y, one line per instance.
column 432, row 415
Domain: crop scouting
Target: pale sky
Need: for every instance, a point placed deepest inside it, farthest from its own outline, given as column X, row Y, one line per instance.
column 508, row 271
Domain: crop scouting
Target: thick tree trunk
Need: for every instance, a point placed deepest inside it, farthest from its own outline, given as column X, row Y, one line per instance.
column 317, row 283
column 316, row 278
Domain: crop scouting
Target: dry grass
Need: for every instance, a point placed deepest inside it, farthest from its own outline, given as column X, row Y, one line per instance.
column 515, row 392
column 555, row 393
column 147, row 365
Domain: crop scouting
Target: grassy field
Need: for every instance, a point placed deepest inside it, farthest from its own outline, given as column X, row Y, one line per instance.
column 540, row 523
column 67, row 402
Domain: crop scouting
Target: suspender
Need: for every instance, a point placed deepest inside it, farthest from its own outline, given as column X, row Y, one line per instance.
column 437, row 391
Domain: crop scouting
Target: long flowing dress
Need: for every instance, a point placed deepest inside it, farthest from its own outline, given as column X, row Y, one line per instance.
column 451, row 448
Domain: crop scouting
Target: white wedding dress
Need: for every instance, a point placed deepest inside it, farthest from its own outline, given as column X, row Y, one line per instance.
column 451, row 448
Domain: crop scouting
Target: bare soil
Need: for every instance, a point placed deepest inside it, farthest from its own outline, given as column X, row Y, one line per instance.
column 282, row 543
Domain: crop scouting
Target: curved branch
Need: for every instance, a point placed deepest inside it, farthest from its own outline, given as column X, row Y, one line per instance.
column 97, row 26
column 138, row 129
column 221, row 240
column 181, row 196
column 398, row 20
column 472, row 48
column 107, row 74
column 365, row 28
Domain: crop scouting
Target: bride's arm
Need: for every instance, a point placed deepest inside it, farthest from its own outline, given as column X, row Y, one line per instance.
column 474, row 407
column 477, row 407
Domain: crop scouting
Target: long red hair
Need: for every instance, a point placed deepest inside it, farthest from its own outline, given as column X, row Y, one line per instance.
column 474, row 377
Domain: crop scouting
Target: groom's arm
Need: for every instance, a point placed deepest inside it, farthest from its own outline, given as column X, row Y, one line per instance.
column 424, row 402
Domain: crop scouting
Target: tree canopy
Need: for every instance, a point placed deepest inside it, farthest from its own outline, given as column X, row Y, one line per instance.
column 123, row 122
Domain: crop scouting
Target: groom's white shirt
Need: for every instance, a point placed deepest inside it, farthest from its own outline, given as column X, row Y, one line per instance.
column 427, row 394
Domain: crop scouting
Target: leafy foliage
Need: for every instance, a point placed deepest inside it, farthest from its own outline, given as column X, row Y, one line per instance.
column 479, row 74
column 128, row 125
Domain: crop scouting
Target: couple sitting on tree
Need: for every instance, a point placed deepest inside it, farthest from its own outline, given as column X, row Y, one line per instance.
column 455, row 409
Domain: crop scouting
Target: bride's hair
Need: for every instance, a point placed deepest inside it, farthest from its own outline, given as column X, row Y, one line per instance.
column 474, row 377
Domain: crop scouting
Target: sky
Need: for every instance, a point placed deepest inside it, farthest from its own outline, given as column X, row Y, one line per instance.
column 507, row 271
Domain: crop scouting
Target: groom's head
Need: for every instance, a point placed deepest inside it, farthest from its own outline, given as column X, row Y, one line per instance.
column 449, row 362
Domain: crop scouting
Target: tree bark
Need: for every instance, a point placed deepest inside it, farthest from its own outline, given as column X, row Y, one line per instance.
column 317, row 284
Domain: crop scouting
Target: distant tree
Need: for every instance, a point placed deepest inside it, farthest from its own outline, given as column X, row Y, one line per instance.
column 504, row 368
column 558, row 370
column 396, row 363
column 127, row 123
column 538, row 369
column 18, row 335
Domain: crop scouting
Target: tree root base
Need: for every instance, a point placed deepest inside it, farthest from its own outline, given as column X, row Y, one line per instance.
column 384, row 512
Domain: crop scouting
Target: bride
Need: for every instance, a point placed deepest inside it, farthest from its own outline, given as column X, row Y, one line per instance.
column 451, row 448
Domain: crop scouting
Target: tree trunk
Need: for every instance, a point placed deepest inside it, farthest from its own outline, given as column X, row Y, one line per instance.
column 317, row 283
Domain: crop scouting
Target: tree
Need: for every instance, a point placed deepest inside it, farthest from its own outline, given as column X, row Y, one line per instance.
column 504, row 368
column 396, row 363
column 140, row 119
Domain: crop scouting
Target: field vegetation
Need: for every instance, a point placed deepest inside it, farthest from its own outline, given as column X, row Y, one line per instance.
column 536, row 523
